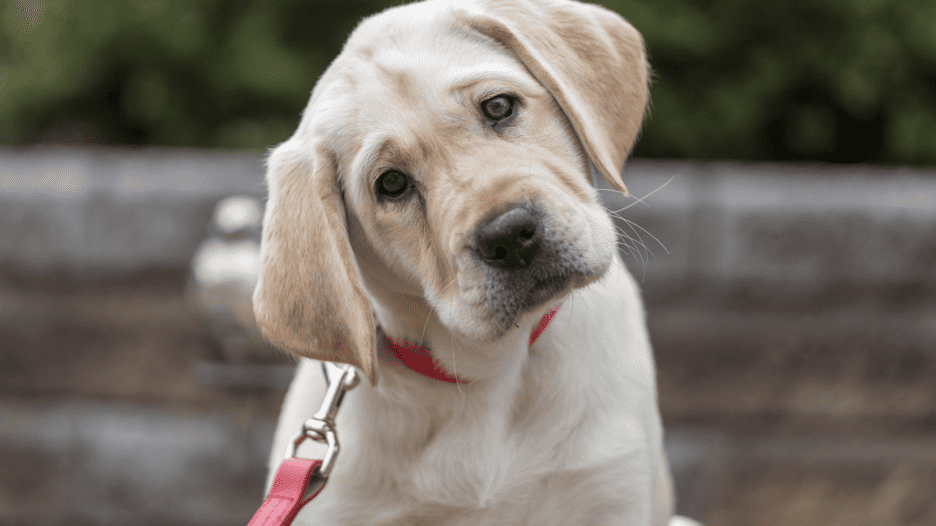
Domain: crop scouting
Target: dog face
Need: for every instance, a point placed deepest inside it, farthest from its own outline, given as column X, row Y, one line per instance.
column 445, row 155
column 463, row 180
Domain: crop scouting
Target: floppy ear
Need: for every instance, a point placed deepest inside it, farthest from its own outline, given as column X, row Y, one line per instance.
column 589, row 58
column 309, row 299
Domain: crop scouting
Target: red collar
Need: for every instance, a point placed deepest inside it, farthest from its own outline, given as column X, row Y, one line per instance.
column 420, row 359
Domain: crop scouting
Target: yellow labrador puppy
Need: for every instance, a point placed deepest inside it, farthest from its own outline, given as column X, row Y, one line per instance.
column 437, row 192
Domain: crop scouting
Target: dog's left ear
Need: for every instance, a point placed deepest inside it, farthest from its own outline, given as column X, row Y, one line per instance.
column 590, row 59
column 309, row 299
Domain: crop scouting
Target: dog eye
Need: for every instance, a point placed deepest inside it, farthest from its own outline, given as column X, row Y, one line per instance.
column 392, row 184
column 498, row 108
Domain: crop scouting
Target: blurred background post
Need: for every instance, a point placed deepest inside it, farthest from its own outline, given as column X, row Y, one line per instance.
column 787, row 253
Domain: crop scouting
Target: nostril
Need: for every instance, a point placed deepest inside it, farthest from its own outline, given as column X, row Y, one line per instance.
column 509, row 240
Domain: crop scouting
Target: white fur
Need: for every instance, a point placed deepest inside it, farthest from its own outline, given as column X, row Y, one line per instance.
column 566, row 434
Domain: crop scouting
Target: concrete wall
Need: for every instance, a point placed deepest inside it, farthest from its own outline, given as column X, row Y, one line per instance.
column 98, row 210
column 780, row 228
column 784, row 229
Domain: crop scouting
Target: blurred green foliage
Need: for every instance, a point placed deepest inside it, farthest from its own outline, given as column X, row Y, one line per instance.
column 829, row 80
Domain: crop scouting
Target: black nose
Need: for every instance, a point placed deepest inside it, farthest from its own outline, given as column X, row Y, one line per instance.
column 509, row 241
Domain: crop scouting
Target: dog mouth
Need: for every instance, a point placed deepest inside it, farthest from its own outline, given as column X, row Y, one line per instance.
column 518, row 295
column 543, row 290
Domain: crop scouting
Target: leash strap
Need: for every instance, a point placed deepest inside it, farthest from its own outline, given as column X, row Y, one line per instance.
column 293, row 478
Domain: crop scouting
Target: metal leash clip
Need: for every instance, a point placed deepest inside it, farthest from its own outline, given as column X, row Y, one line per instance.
column 321, row 427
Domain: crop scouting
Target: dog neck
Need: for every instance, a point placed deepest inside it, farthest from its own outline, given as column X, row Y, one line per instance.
column 408, row 317
column 420, row 360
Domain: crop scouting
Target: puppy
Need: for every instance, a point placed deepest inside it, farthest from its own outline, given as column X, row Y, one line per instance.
column 438, row 192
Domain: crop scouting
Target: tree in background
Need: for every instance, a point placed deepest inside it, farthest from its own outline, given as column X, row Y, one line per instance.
column 837, row 80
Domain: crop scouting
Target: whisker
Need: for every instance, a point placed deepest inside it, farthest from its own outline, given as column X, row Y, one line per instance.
column 455, row 365
column 431, row 309
column 647, row 251
column 632, row 245
column 633, row 224
column 641, row 199
column 637, row 200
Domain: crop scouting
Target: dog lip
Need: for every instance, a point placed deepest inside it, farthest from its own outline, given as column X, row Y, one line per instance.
column 543, row 290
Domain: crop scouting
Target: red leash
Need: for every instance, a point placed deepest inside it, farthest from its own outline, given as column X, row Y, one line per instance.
column 286, row 496
column 297, row 476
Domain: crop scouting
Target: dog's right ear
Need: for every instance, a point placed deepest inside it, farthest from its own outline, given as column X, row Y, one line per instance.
column 590, row 59
column 309, row 299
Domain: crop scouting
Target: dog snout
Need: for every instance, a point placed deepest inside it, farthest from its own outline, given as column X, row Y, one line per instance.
column 509, row 241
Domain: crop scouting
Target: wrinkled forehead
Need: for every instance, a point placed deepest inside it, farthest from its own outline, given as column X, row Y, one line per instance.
column 425, row 41
column 406, row 70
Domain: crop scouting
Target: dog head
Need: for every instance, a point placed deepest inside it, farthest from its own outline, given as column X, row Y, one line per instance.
column 445, row 155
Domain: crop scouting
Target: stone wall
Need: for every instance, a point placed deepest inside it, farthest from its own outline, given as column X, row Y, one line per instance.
column 778, row 230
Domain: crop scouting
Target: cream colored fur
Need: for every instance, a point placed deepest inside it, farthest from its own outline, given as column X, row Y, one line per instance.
column 565, row 431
